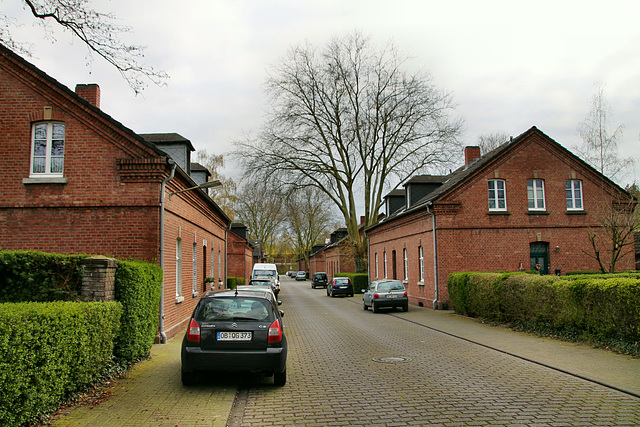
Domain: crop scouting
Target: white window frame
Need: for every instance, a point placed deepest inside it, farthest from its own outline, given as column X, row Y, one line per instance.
column 178, row 267
column 212, row 262
column 384, row 266
column 48, row 155
column 194, row 265
column 494, row 195
column 406, row 264
column 376, row 263
column 535, row 189
column 220, row 266
column 421, row 258
column 570, row 191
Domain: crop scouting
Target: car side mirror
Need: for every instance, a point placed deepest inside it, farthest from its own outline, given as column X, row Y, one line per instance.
column 279, row 302
column 281, row 313
column 363, row 290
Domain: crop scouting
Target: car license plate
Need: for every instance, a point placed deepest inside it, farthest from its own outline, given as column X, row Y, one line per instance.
column 234, row 336
column 342, row 287
column 391, row 296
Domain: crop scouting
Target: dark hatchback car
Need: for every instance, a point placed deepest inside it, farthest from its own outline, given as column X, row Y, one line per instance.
column 340, row 286
column 319, row 279
column 235, row 331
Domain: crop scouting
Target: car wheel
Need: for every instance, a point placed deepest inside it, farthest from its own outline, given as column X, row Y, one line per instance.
column 312, row 286
column 375, row 308
column 364, row 307
column 280, row 378
column 405, row 308
column 351, row 294
column 188, row 378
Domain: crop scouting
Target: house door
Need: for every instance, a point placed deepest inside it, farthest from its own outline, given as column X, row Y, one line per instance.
column 393, row 265
column 539, row 252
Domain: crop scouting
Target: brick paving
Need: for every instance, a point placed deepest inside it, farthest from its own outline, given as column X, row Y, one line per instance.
column 333, row 379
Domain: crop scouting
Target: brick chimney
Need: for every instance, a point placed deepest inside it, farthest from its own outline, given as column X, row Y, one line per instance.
column 90, row 92
column 470, row 154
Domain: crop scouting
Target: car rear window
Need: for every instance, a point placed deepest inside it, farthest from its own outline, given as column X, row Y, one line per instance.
column 342, row 281
column 390, row 286
column 235, row 308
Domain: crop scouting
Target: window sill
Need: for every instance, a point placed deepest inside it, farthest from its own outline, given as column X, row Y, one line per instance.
column 499, row 213
column 195, row 294
column 537, row 212
column 420, row 283
column 44, row 180
column 179, row 299
column 405, row 282
column 576, row 212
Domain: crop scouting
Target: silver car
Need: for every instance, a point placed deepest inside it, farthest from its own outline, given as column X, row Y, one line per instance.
column 385, row 293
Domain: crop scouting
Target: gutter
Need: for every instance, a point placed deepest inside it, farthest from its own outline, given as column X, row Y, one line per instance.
column 163, row 335
column 435, row 256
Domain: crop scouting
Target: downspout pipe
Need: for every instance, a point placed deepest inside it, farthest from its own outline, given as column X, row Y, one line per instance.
column 163, row 335
column 435, row 256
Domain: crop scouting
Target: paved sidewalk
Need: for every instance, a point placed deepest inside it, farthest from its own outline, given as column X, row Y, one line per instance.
column 152, row 395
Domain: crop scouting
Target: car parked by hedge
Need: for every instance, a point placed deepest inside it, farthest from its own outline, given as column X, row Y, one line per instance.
column 385, row 293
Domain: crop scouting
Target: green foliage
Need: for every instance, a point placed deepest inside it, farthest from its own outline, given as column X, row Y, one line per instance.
column 603, row 309
column 37, row 276
column 232, row 282
column 48, row 351
column 360, row 281
column 138, row 287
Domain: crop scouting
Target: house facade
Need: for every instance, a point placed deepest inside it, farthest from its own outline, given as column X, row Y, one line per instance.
column 78, row 181
column 527, row 205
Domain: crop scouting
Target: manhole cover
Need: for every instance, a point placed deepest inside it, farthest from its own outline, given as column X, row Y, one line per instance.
column 391, row 359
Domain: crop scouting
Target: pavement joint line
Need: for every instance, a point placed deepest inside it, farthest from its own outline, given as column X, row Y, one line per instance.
column 555, row 368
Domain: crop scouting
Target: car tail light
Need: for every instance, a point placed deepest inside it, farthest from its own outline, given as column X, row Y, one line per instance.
column 275, row 332
column 375, row 296
column 194, row 331
column 405, row 294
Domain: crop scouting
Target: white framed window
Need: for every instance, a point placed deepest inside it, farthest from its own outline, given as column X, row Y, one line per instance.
column 376, row 264
column 384, row 265
column 220, row 267
column 535, row 194
column 213, row 271
column 573, row 189
column 406, row 264
column 195, row 267
column 178, row 267
column 47, row 149
column 497, row 195
column 421, row 258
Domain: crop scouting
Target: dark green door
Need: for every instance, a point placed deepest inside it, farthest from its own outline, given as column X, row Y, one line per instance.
column 540, row 257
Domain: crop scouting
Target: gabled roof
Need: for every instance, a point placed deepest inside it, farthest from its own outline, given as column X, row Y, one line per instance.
column 41, row 82
column 460, row 175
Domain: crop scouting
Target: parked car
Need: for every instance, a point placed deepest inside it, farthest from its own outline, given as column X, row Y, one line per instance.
column 235, row 330
column 385, row 293
column 259, row 289
column 319, row 279
column 340, row 286
column 291, row 273
column 301, row 275
column 266, row 283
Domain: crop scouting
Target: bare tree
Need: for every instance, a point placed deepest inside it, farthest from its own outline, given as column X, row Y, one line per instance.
column 308, row 214
column 492, row 140
column 224, row 196
column 612, row 240
column 347, row 119
column 259, row 207
column 600, row 145
column 98, row 31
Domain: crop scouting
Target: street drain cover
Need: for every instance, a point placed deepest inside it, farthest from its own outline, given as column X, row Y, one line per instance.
column 391, row 359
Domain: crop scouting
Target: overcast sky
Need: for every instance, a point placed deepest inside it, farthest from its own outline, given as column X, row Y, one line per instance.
column 509, row 64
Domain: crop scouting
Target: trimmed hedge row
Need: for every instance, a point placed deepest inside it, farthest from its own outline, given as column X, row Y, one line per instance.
column 360, row 281
column 602, row 309
column 138, row 288
column 49, row 350
column 39, row 276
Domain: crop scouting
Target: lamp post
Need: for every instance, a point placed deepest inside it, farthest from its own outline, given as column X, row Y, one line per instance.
column 209, row 184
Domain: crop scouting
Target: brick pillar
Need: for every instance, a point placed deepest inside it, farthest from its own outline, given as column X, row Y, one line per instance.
column 98, row 279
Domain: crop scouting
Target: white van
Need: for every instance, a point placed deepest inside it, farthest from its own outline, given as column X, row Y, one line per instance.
column 266, row 271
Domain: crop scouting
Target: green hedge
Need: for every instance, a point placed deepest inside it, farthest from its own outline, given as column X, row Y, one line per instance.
column 138, row 287
column 360, row 280
column 601, row 309
column 48, row 351
column 39, row 276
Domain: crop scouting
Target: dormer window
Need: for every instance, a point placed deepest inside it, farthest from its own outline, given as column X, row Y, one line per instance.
column 47, row 149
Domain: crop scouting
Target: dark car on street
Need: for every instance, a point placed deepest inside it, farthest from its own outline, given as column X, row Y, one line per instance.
column 234, row 331
column 385, row 293
column 340, row 286
column 319, row 279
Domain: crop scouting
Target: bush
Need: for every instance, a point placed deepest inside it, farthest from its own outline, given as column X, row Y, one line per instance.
column 38, row 276
column 602, row 309
column 360, row 281
column 138, row 287
column 232, row 282
column 48, row 351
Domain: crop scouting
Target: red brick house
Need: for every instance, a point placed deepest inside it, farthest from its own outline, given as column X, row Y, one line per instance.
column 525, row 205
column 240, row 252
column 78, row 181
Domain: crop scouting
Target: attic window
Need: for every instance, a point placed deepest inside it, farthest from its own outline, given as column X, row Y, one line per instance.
column 47, row 149
column 497, row 195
